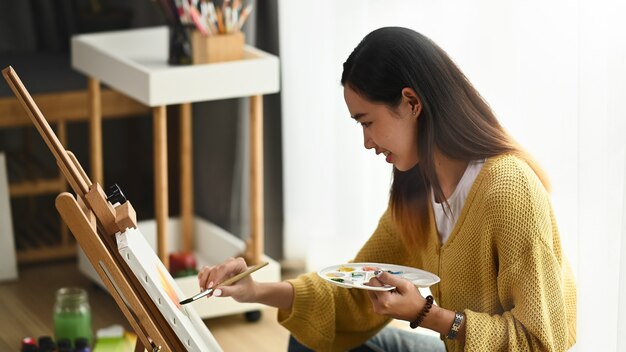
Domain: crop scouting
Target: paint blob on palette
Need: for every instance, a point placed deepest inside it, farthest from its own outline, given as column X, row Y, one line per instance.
column 356, row 275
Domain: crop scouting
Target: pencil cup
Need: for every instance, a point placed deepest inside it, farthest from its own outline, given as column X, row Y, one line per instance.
column 217, row 48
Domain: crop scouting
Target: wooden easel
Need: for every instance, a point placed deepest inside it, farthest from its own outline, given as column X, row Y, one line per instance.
column 94, row 221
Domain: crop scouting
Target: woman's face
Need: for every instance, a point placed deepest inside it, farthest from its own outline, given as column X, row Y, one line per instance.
column 391, row 133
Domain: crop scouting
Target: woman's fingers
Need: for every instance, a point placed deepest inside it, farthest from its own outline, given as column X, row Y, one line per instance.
column 203, row 276
column 374, row 281
column 227, row 269
column 401, row 303
column 208, row 277
column 392, row 280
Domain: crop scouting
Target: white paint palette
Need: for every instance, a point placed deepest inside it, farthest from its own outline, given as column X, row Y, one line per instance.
column 356, row 275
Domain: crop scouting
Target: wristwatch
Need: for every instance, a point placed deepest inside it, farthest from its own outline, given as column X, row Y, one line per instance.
column 456, row 324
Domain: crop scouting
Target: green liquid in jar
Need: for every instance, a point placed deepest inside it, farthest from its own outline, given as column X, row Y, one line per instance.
column 72, row 315
column 72, row 325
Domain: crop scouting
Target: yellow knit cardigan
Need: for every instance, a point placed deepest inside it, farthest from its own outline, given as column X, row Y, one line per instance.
column 502, row 265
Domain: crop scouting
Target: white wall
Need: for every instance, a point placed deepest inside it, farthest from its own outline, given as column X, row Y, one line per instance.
column 334, row 192
column 601, row 253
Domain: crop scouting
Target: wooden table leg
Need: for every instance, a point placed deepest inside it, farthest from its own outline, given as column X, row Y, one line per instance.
column 159, row 115
column 186, row 176
column 254, row 250
column 95, row 130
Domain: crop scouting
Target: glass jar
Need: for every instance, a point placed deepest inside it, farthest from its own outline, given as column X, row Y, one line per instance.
column 72, row 315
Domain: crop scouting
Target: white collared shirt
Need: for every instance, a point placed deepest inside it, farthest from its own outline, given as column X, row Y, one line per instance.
column 446, row 220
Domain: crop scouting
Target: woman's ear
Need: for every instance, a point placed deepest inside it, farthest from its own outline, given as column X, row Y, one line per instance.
column 414, row 103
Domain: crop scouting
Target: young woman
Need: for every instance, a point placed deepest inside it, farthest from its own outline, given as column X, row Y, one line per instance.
column 467, row 203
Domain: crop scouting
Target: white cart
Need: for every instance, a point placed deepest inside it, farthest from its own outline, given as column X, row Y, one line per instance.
column 134, row 62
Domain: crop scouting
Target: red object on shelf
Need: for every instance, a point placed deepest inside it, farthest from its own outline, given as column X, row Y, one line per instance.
column 180, row 261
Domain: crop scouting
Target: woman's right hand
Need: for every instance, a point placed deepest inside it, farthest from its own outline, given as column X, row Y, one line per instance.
column 243, row 290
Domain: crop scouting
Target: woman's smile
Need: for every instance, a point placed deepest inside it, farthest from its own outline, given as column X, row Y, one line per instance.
column 388, row 157
column 386, row 153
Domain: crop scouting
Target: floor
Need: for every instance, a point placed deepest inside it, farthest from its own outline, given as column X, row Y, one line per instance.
column 26, row 310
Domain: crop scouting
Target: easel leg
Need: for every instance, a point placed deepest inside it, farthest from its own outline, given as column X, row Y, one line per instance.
column 139, row 346
column 62, row 131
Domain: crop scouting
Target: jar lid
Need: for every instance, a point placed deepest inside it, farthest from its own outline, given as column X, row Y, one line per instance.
column 71, row 294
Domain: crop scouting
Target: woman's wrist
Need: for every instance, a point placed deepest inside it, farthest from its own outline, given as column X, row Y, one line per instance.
column 423, row 312
column 441, row 320
column 274, row 294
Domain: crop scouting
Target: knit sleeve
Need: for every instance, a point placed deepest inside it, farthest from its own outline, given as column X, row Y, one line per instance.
column 326, row 317
column 531, row 280
column 537, row 316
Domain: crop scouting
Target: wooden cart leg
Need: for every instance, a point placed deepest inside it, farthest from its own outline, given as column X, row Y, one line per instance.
column 254, row 249
column 159, row 115
column 95, row 130
column 186, row 176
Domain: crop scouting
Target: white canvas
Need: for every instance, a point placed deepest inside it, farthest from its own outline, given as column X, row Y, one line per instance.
column 8, row 265
column 164, row 291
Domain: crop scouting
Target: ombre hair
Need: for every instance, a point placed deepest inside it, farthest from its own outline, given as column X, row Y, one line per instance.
column 454, row 119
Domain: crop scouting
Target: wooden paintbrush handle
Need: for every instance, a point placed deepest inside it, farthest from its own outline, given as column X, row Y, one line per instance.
column 240, row 276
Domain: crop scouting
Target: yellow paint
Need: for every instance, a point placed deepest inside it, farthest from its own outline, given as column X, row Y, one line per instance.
column 168, row 288
column 345, row 269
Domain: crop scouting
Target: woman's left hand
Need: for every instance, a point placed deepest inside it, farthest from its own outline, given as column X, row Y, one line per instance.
column 405, row 302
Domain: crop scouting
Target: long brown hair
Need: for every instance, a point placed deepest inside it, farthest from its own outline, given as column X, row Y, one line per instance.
column 455, row 119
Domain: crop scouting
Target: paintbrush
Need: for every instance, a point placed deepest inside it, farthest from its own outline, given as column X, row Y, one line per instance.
column 226, row 282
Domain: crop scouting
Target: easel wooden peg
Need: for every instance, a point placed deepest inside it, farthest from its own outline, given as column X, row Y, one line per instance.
column 98, row 203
